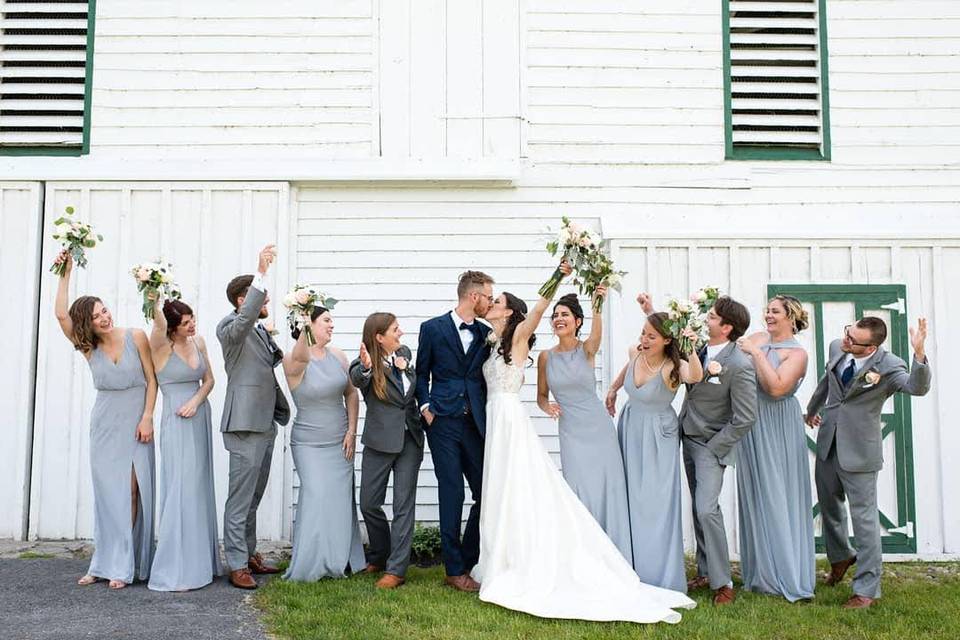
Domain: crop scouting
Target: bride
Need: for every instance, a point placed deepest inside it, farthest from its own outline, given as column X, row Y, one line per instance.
column 541, row 551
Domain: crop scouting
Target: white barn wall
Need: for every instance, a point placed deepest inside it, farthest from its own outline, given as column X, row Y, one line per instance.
column 20, row 269
column 210, row 232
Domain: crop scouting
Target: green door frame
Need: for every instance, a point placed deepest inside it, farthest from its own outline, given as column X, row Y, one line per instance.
column 865, row 297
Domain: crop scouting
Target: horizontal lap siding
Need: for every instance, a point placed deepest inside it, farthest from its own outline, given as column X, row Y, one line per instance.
column 219, row 78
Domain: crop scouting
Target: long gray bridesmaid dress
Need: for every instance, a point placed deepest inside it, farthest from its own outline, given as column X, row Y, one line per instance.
column 188, row 556
column 123, row 552
column 773, row 483
column 326, row 534
column 650, row 443
column 589, row 455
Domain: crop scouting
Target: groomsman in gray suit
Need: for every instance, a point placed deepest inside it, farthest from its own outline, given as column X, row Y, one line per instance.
column 716, row 414
column 859, row 378
column 254, row 404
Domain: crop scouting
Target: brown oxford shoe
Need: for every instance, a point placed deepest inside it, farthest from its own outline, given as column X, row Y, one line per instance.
column 242, row 579
column 838, row 570
column 372, row 568
column 724, row 595
column 463, row 583
column 257, row 565
column 389, row 581
column 858, row 602
column 700, row 582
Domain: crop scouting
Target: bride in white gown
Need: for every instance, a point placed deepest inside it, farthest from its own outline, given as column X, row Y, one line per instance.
column 541, row 551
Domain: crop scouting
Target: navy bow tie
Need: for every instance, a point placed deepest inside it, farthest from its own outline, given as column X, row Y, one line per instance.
column 472, row 328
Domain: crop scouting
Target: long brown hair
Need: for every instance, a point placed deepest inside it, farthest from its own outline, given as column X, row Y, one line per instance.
column 377, row 324
column 670, row 349
column 519, row 308
column 81, row 315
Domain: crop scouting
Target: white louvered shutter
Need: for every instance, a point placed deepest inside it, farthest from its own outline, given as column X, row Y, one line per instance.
column 775, row 72
column 43, row 54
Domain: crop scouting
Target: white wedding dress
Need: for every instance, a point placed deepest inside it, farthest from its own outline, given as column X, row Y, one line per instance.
column 541, row 551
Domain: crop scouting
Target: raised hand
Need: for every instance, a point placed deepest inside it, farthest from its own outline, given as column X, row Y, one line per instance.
column 599, row 293
column 65, row 259
column 267, row 255
column 646, row 302
column 917, row 338
column 748, row 346
column 565, row 268
column 365, row 360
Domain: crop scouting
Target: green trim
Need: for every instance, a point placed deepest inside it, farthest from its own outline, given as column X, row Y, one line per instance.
column 774, row 152
column 84, row 147
column 897, row 424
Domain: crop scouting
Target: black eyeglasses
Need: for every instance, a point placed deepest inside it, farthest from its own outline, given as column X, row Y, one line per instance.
column 846, row 332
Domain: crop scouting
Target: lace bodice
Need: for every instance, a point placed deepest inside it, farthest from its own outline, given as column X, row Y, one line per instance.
column 500, row 376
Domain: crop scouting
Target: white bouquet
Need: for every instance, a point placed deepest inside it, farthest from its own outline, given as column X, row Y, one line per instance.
column 152, row 278
column 300, row 303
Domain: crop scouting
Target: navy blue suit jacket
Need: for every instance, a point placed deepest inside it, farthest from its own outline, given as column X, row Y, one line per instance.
column 448, row 378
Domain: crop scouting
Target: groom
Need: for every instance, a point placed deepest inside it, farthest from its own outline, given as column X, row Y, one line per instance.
column 858, row 379
column 253, row 405
column 452, row 396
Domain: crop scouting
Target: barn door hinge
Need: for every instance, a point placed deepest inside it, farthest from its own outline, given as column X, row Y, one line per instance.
column 906, row 529
column 899, row 306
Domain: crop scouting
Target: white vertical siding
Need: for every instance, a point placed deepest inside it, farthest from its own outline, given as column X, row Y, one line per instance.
column 20, row 269
column 210, row 232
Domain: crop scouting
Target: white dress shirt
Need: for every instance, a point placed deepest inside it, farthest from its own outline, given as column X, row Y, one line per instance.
column 714, row 350
column 857, row 363
column 466, row 336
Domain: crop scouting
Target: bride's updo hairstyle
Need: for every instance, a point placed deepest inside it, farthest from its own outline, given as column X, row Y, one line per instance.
column 519, row 308
column 571, row 302
column 174, row 312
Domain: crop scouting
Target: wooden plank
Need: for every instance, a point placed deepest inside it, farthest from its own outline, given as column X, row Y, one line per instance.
column 500, row 96
column 428, row 80
column 394, row 74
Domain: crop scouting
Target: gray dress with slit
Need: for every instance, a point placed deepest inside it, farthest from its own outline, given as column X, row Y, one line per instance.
column 124, row 549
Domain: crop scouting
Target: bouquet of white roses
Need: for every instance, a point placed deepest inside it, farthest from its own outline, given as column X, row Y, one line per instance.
column 585, row 250
column 300, row 302
column 705, row 298
column 683, row 315
column 152, row 278
column 74, row 236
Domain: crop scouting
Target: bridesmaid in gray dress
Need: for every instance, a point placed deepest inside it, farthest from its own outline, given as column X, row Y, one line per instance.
column 589, row 455
column 121, row 436
column 773, row 468
column 326, row 533
column 650, row 443
column 188, row 554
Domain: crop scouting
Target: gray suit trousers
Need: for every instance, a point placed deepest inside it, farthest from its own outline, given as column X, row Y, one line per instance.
column 705, row 477
column 390, row 547
column 860, row 490
column 250, row 455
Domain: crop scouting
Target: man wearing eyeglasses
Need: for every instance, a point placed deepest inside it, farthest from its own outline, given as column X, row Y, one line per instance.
column 859, row 378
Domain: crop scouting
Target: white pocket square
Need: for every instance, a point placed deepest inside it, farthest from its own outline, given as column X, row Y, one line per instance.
column 713, row 380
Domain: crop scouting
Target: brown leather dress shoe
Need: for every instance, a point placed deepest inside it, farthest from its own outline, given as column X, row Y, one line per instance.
column 389, row 581
column 724, row 595
column 838, row 570
column 242, row 579
column 700, row 582
column 463, row 583
column 257, row 565
column 372, row 568
column 858, row 602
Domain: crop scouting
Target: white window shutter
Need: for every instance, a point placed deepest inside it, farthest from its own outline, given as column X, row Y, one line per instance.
column 775, row 80
column 43, row 59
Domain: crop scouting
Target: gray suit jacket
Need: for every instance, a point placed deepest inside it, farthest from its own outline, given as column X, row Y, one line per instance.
column 253, row 400
column 383, row 426
column 720, row 414
column 852, row 416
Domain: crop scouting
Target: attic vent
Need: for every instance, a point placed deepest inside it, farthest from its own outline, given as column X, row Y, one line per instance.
column 44, row 74
column 776, row 90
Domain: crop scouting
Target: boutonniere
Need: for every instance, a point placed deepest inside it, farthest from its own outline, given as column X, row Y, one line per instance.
column 400, row 363
column 270, row 329
column 714, row 369
column 492, row 338
column 871, row 377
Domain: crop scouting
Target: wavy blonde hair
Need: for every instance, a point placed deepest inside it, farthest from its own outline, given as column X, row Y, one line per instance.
column 794, row 311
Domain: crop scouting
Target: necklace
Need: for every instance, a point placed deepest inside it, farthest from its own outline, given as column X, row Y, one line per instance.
column 646, row 365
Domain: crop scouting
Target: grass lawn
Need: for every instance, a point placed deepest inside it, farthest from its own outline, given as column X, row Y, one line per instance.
column 920, row 600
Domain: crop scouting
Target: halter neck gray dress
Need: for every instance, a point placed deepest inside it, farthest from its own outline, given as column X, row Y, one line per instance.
column 188, row 554
column 650, row 442
column 589, row 455
column 124, row 550
column 773, row 483
column 326, row 533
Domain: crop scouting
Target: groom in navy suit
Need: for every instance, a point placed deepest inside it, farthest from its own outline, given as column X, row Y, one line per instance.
column 452, row 396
